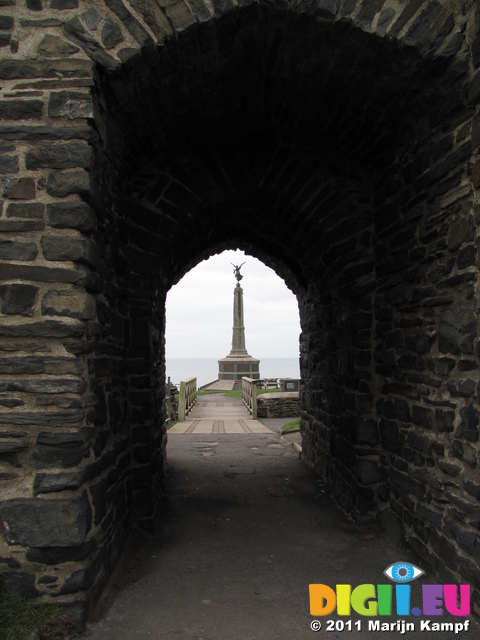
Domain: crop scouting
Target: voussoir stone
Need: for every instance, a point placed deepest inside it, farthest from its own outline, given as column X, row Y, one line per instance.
column 111, row 34
column 69, row 303
column 71, row 215
column 18, row 299
column 46, row 523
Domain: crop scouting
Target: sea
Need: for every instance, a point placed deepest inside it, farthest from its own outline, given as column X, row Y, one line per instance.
column 206, row 369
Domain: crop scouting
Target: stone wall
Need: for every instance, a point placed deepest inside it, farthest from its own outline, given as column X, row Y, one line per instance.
column 278, row 405
column 339, row 143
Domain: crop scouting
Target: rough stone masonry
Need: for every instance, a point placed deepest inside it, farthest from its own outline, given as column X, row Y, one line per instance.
column 336, row 140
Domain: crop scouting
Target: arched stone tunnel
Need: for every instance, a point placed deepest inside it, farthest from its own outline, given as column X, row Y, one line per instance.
column 338, row 142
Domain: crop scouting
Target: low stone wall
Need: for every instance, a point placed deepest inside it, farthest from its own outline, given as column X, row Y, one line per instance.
column 278, row 405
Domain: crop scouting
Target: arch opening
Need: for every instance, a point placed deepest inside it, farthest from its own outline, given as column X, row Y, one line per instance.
column 328, row 172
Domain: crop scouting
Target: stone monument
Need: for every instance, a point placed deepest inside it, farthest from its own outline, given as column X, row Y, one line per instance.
column 238, row 363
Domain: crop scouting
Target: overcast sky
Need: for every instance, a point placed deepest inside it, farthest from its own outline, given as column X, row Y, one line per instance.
column 200, row 311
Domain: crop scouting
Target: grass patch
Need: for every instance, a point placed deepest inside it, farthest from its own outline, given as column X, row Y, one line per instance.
column 294, row 425
column 19, row 616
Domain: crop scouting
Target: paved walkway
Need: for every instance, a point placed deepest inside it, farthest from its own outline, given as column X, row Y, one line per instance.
column 245, row 529
column 218, row 413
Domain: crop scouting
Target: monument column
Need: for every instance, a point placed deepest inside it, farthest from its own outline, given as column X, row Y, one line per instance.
column 238, row 363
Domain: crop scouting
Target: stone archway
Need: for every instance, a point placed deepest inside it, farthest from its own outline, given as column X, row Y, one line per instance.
column 339, row 145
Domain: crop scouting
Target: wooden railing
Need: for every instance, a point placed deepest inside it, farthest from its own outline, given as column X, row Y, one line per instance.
column 249, row 396
column 187, row 397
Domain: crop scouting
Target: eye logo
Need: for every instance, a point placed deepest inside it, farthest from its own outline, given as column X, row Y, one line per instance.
column 403, row 572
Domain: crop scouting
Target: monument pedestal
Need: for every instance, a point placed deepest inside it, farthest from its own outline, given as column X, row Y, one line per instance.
column 235, row 368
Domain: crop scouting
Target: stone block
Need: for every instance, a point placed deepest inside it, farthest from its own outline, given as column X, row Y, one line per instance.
column 46, row 579
column 53, row 482
column 54, row 46
column 10, row 226
column 441, row 366
column 44, row 329
column 423, row 416
column 44, row 385
column 457, row 326
column 6, row 22
column 12, row 447
column 40, row 274
column 64, row 438
column 54, row 457
column 13, row 250
column 91, row 18
column 30, row 210
column 465, row 387
column 473, row 488
column 367, row 433
column 19, row 583
column 77, row 581
column 66, row 248
column 450, row 468
column 58, row 555
column 9, row 164
column 71, row 215
column 62, row 5
column 21, row 109
column 64, row 183
column 22, row 69
column 111, row 34
column 131, row 23
column 444, row 420
column 44, row 132
column 39, row 364
column 33, row 522
column 71, row 105
column 367, row 471
column 69, row 303
column 18, row 188
column 18, row 299
column 469, row 423
column 62, row 156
